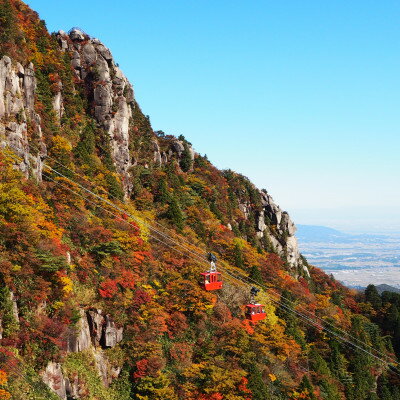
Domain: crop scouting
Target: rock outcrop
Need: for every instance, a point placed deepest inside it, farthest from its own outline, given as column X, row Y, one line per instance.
column 109, row 91
column 107, row 370
column 93, row 329
column 53, row 377
column 280, row 230
column 78, row 337
column 94, row 332
column 103, row 329
column 17, row 101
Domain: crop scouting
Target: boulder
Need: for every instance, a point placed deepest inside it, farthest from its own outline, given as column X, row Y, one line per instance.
column 178, row 147
column 76, row 35
column 54, row 379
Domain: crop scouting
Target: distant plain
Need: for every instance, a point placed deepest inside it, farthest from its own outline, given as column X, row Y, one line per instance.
column 355, row 260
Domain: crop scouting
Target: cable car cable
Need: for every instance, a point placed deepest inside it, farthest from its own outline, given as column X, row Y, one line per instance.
column 189, row 250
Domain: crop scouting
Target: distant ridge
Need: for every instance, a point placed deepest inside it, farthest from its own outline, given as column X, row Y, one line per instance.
column 387, row 288
column 318, row 233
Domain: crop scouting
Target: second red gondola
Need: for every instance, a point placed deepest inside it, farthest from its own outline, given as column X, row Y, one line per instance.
column 254, row 311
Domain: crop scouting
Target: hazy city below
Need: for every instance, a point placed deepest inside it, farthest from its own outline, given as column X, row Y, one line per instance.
column 354, row 259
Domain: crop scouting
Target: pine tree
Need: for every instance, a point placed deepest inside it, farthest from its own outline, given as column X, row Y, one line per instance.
column 256, row 384
column 186, row 162
column 85, row 149
column 174, row 213
column 238, row 256
column 7, row 27
column 372, row 296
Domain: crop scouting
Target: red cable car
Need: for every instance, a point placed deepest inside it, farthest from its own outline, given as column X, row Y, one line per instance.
column 212, row 280
column 254, row 311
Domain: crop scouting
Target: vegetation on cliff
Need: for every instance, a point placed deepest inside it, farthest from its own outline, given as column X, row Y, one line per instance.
column 65, row 254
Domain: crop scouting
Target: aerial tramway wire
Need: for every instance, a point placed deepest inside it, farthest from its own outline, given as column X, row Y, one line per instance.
column 105, row 191
column 200, row 256
column 200, row 260
column 242, row 280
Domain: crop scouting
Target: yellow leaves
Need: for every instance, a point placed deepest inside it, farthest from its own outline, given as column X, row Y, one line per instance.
column 67, row 285
column 60, row 144
column 241, row 243
column 272, row 377
column 322, row 301
column 157, row 283
column 58, row 305
column 3, row 377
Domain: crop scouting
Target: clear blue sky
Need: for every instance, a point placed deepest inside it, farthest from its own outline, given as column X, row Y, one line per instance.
column 300, row 96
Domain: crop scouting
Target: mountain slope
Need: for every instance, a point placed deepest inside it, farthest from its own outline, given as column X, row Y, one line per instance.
column 103, row 302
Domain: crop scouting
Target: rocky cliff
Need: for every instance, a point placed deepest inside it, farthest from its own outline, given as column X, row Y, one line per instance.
column 97, row 304
column 111, row 101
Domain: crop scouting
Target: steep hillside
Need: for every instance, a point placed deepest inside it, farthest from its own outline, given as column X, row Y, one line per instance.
column 104, row 230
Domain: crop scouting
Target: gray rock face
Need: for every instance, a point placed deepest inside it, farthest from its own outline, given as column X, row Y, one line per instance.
column 78, row 338
column 96, row 322
column 62, row 39
column 103, row 330
column 54, row 379
column 72, row 388
column 76, row 34
column 283, row 238
column 178, row 147
column 112, row 94
column 14, row 306
column 112, row 334
column 107, row 371
column 17, row 97
column 157, row 153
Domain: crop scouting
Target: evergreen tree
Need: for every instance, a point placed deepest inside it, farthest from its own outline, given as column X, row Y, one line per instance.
column 162, row 195
column 186, row 159
column 85, row 149
column 175, row 214
column 255, row 274
column 372, row 296
column 7, row 27
column 238, row 256
column 256, row 383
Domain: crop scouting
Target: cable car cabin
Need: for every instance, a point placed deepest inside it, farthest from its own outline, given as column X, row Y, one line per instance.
column 255, row 312
column 212, row 280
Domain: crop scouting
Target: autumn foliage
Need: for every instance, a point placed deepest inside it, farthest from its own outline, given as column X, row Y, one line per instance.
column 64, row 253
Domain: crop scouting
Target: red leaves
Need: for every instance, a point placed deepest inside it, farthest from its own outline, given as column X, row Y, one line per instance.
column 108, row 288
column 213, row 396
column 141, row 369
column 140, row 297
column 127, row 279
column 177, row 323
column 243, row 387
column 148, row 367
column 181, row 353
